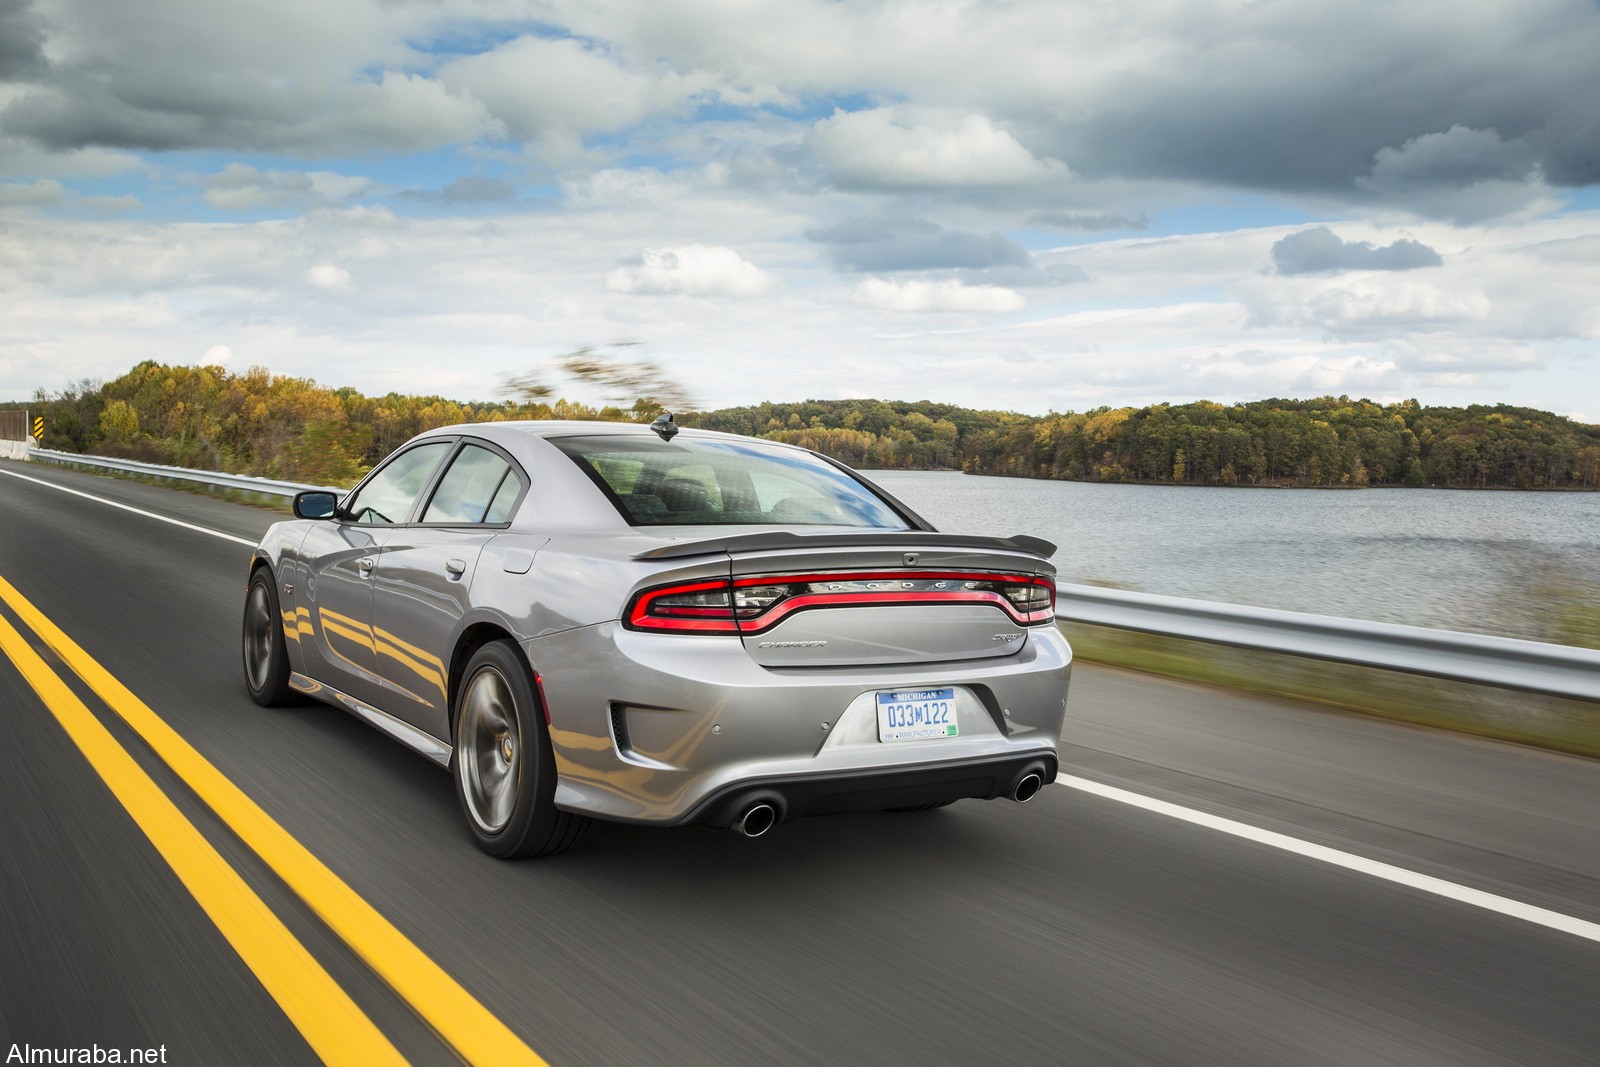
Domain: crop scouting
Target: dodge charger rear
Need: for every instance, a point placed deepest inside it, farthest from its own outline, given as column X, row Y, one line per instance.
column 662, row 627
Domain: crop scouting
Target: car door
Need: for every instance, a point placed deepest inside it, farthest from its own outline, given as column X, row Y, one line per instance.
column 339, row 556
column 423, row 580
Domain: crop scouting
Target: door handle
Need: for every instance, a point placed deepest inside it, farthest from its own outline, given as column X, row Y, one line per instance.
column 365, row 565
column 455, row 567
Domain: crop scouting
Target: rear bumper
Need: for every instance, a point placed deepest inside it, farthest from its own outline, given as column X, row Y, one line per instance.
column 665, row 729
column 835, row 794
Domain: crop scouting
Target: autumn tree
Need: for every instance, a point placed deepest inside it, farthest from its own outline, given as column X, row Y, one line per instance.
column 256, row 422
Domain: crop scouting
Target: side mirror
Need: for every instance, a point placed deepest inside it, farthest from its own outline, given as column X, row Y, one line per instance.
column 315, row 504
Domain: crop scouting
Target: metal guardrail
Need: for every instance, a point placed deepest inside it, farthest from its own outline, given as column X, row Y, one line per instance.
column 217, row 479
column 1531, row 666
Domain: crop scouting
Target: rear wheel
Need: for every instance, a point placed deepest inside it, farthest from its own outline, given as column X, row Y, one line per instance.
column 503, row 766
column 266, row 654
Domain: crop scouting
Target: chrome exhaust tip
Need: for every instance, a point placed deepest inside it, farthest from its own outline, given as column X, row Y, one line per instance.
column 1027, row 787
column 757, row 819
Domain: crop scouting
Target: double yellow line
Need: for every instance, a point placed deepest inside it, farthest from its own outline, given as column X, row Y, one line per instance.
column 332, row 1023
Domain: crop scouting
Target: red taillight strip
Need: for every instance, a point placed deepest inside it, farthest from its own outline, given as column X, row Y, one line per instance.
column 693, row 620
column 889, row 598
column 896, row 576
column 674, row 625
column 727, row 621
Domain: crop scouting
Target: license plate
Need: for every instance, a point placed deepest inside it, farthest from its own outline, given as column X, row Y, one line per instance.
column 916, row 714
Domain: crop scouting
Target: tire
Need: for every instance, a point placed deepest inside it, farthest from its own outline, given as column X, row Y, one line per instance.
column 266, row 654
column 503, row 766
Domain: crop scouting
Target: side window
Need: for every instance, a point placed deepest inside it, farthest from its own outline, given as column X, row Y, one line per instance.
column 476, row 483
column 510, row 489
column 389, row 494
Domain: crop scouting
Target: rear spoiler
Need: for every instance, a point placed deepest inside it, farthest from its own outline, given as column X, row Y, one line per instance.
column 781, row 539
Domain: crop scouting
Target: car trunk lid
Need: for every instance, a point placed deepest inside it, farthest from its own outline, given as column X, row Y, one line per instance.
column 867, row 601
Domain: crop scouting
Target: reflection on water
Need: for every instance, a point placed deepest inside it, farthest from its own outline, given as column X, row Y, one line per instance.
column 1495, row 562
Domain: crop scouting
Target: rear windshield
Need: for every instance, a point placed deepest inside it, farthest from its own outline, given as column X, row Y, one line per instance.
column 697, row 482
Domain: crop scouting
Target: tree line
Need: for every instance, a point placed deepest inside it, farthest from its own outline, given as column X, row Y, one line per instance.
column 265, row 424
column 255, row 422
column 1326, row 442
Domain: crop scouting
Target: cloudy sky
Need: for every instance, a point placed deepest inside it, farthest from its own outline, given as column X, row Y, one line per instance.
column 1023, row 204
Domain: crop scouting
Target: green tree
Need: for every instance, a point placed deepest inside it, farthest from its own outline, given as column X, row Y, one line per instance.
column 119, row 422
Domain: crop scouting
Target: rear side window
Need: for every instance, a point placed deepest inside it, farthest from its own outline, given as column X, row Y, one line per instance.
column 477, row 482
column 697, row 482
column 505, row 499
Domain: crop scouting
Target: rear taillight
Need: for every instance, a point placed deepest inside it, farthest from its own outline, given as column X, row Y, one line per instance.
column 1030, row 597
column 751, row 605
column 693, row 607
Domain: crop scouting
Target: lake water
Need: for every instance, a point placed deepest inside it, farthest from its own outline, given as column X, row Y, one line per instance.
column 1494, row 562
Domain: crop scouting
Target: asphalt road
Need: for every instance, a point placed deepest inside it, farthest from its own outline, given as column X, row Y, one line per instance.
column 1073, row 929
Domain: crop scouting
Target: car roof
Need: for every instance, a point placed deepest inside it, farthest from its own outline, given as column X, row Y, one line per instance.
column 505, row 432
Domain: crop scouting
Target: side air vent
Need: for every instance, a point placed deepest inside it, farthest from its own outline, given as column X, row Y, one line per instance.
column 619, row 730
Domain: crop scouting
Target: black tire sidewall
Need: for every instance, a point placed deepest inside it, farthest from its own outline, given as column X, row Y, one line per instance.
column 275, row 690
column 533, row 812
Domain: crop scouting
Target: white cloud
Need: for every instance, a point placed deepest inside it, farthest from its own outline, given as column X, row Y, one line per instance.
column 620, row 127
column 555, row 91
column 910, row 148
column 410, row 113
column 694, row 270
column 328, row 276
column 218, row 355
column 622, row 187
column 1300, row 100
column 240, row 187
column 125, row 204
column 47, row 193
column 303, row 77
column 1510, row 314
column 244, row 188
column 43, row 191
column 20, row 159
column 1509, row 282
column 1368, row 305
column 1458, row 355
column 936, row 296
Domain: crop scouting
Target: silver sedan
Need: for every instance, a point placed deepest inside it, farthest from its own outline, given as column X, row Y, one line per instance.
column 598, row 620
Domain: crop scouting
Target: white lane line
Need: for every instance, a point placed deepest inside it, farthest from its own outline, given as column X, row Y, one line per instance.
column 1516, row 909
column 136, row 511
